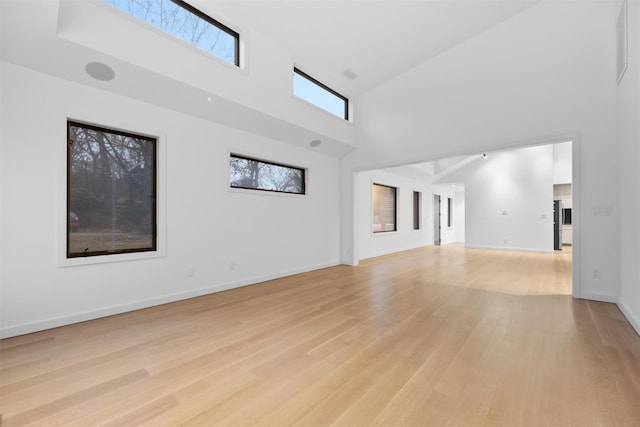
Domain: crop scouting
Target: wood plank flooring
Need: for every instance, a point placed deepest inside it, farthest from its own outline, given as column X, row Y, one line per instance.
column 441, row 336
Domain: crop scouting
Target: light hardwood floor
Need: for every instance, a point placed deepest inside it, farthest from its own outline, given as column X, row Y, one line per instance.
column 434, row 336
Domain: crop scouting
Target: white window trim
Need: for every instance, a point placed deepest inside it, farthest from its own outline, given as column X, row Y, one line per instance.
column 420, row 207
column 350, row 102
column 61, row 204
column 266, row 158
column 242, row 42
column 384, row 233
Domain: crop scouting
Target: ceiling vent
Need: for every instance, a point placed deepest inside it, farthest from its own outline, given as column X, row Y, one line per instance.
column 350, row 74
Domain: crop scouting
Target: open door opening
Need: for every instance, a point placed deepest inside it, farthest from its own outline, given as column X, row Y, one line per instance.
column 436, row 220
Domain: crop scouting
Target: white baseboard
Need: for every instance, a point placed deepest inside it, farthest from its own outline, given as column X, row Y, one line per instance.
column 594, row 296
column 28, row 328
column 635, row 322
column 393, row 251
column 508, row 248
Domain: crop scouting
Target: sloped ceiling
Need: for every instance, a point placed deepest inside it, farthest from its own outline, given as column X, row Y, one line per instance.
column 376, row 40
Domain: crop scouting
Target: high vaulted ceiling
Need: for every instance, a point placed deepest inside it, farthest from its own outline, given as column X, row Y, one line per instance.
column 375, row 39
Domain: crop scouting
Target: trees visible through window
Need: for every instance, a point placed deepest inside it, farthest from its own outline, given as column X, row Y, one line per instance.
column 189, row 24
column 384, row 208
column 255, row 174
column 111, row 186
column 320, row 95
column 417, row 196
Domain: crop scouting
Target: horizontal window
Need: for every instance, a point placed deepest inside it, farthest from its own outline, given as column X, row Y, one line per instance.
column 384, row 208
column 111, row 191
column 311, row 90
column 184, row 21
column 255, row 174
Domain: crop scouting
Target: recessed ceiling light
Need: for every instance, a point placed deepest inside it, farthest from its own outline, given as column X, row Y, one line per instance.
column 100, row 71
column 315, row 143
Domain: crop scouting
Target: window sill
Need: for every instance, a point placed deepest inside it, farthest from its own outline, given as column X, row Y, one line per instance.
column 108, row 258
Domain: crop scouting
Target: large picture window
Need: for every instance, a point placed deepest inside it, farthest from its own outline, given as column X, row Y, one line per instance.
column 111, row 191
column 384, row 208
column 254, row 174
column 189, row 24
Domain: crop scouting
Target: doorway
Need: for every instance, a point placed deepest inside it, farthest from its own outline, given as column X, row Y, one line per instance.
column 436, row 220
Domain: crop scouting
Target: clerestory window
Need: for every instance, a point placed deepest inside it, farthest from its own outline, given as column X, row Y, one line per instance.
column 189, row 24
column 320, row 95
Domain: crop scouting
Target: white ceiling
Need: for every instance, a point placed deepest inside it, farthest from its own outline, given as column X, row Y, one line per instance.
column 375, row 39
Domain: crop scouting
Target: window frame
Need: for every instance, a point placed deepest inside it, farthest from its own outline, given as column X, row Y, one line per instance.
column 203, row 16
column 318, row 83
column 154, row 192
column 417, row 210
column 566, row 216
column 303, row 170
column 395, row 209
column 217, row 24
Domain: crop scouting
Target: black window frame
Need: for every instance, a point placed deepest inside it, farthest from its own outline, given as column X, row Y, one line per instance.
column 154, row 202
column 417, row 208
column 203, row 16
column 566, row 216
column 303, row 175
column 215, row 23
column 318, row 83
column 395, row 208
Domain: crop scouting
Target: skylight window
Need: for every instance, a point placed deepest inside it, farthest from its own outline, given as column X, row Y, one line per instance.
column 184, row 21
column 320, row 95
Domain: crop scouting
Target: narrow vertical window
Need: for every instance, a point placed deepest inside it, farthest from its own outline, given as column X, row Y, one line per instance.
column 416, row 209
column 111, row 191
column 449, row 212
column 384, row 208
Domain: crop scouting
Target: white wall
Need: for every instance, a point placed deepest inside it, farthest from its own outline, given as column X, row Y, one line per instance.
column 59, row 37
column 460, row 216
column 546, row 75
column 509, row 200
column 448, row 234
column 376, row 244
column 206, row 226
column 628, row 126
column 562, row 161
column 263, row 83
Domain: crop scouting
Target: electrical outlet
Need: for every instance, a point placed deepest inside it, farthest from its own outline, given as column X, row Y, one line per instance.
column 506, row 241
column 596, row 274
column 191, row 272
column 232, row 265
